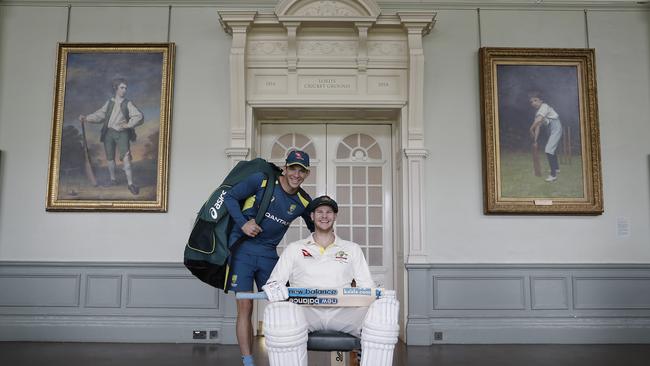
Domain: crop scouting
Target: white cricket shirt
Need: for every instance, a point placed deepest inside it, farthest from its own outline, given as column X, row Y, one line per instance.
column 304, row 264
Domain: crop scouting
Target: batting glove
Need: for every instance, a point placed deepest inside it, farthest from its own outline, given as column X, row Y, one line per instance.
column 275, row 291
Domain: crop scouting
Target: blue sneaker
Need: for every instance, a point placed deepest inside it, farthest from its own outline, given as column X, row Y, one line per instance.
column 248, row 360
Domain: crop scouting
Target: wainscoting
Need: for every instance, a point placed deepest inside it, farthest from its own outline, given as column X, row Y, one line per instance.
column 116, row 302
column 519, row 303
column 459, row 303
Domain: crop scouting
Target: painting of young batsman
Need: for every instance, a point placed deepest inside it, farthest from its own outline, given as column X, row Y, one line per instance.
column 113, row 127
column 539, row 131
column 541, row 145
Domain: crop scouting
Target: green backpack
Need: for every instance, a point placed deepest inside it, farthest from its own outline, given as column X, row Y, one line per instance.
column 207, row 253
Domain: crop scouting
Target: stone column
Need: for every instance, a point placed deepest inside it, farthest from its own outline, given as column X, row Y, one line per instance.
column 292, row 56
column 237, row 23
column 414, row 205
column 417, row 24
column 362, row 56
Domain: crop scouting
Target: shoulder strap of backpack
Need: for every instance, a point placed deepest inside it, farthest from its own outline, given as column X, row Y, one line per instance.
column 266, row 199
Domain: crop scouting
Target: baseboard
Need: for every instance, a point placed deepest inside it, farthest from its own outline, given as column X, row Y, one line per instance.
column 111, row 329
column 529, row 331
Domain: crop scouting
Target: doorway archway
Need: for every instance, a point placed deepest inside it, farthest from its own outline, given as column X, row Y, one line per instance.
column 343, row 61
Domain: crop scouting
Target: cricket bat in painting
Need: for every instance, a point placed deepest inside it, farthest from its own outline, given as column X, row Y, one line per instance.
column 536, row 167
column 347, row 296
column 88, row 168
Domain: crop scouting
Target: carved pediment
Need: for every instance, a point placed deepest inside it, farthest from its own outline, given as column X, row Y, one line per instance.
column 314, row 10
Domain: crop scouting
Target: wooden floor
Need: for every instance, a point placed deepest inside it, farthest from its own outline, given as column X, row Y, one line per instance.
column 139, row 354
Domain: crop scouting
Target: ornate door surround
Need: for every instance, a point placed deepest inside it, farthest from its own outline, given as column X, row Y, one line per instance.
column 343, row 60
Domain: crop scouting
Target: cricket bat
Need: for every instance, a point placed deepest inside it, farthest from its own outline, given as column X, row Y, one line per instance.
column 536, row 167
column 347, row 296
column 88, row 168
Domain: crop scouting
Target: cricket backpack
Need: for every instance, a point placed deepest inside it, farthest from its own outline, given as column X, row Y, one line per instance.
column 207, row 252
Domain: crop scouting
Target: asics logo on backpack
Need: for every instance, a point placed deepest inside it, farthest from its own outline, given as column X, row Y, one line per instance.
column 217, row 205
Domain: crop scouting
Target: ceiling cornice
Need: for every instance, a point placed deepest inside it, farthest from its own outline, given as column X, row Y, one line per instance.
column 386, row 5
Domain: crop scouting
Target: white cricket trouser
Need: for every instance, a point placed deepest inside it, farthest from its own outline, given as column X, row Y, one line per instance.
column 344, row 319
column 554, row 137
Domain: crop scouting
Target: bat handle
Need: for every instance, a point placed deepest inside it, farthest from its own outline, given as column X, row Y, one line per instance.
column 251, row 295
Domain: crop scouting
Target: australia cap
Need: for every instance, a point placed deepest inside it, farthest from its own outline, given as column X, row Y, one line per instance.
column 322, row 201
column 297, row 157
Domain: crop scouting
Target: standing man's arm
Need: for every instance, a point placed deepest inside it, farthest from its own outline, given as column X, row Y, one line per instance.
column 541, row 113
column 534, row 128
column 306, row 215
column 136, row 118
column 308, row 221
column 97, row 116
column 239, row 192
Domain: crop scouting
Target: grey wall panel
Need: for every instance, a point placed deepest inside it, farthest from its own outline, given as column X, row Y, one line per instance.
column 419, row 283
column 477, row 293
column 169, row 292
column 528, row 303
column 612, row 293
column 111, row 302
column 550, row 293
column 103, row 291
column 43, row 290
column 474, row 303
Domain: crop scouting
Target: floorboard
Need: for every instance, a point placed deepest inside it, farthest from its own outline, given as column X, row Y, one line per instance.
column 146, row 354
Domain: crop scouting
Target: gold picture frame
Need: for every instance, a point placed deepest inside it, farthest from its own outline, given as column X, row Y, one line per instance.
column 109, row 148
column 541, row 142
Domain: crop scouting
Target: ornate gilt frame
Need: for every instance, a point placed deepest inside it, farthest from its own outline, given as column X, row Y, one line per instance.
column 530, row 63
column 71, row 187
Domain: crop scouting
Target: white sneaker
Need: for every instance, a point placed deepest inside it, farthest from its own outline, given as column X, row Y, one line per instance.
column 551, row 178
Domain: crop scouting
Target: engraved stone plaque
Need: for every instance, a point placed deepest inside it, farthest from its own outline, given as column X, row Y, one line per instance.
column 327, row 85
column 384, row 85
column 270, row 84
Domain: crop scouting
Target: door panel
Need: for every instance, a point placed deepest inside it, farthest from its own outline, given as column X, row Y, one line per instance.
column 352, row 164
column 359, row 179
column 276, row 141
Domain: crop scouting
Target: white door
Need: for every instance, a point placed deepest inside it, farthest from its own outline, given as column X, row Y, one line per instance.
column 352, row 164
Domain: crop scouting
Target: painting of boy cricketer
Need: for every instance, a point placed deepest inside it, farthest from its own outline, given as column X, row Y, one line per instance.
column 540, row 128
column 110, row 133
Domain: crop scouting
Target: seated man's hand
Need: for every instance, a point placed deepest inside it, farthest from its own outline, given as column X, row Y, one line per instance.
column 276, row 291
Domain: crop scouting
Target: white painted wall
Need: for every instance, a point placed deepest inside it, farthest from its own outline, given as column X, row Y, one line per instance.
column 28, row 37
column 457, row 230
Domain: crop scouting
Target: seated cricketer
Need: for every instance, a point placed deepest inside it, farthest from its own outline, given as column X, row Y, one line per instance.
column 324, row 260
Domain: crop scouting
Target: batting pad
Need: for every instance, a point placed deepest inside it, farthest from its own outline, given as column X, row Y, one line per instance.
column 380, row 332
column 285, row 334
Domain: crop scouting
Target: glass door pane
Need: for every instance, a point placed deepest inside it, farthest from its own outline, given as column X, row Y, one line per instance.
column 359, row 178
